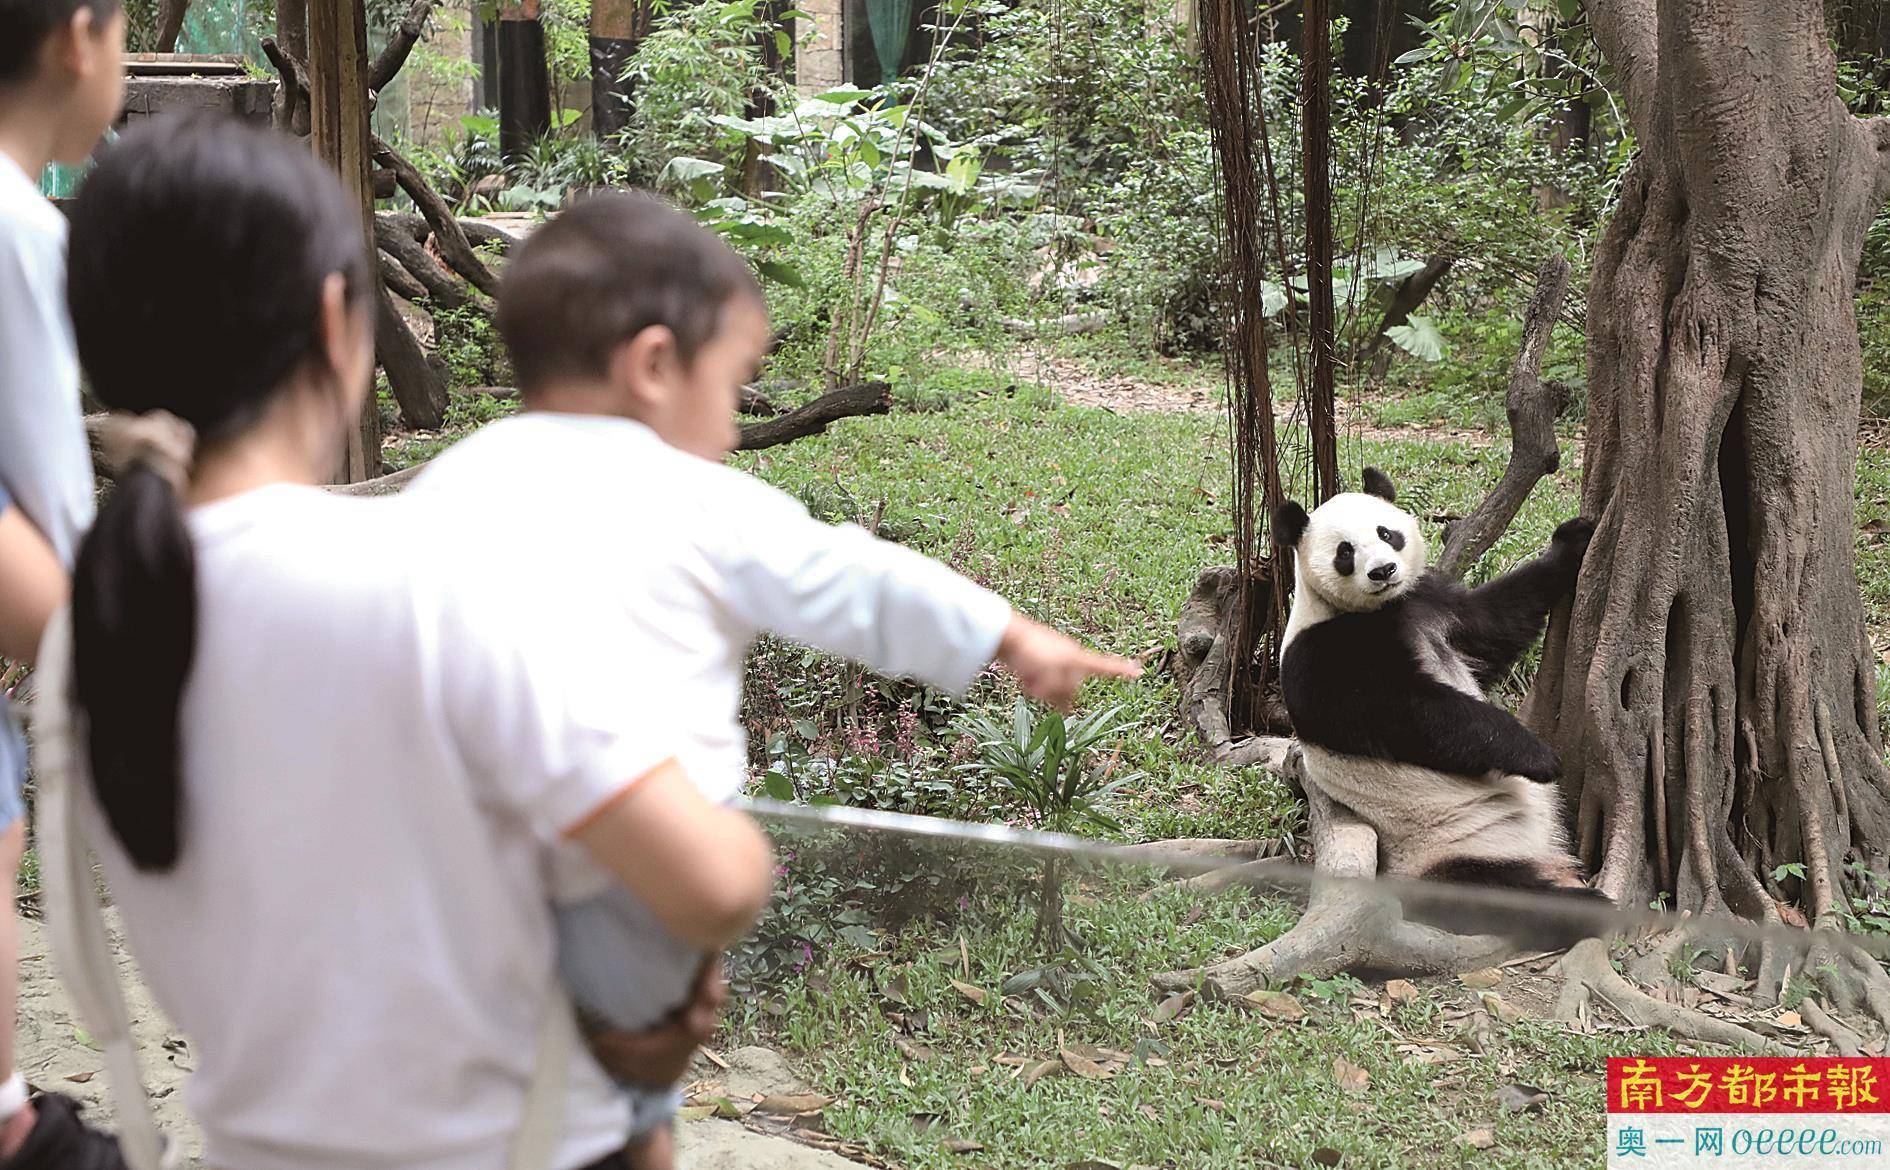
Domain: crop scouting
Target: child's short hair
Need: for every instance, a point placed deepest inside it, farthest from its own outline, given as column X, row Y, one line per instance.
column 24, row 25
column 608, row 268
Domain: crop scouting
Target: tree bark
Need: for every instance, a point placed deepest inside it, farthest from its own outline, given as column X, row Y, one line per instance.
column 338, row 130
column 1711, row 690
column 524, row 81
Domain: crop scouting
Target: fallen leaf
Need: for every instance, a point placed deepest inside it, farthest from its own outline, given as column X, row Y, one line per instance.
column 913, row 1050
column 1099, row 1055
column 964, row 958
column 1350, row 1077
column 695, row 1112
column 789, row 1104
column 1040, row 1070
column 81, row 1078
column 1479, row 1139
column 974, row 994
column 1521, row 1099
column 1503, row 1010
column 1790, row 1020
column 904, row 1078
column 962, row 1146
column 1218, row 1106
column 1401, row 991
column 1171, row 1008
column 714, row 1057
column 894, row 987
column 1084, row 1067
column 1325, row 1156
column 1277, row 1004
column 1482, row 980
column 1092, row 1164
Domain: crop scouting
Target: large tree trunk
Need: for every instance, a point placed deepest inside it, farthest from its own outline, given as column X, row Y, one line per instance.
column 524, row 79
column 1711, row 690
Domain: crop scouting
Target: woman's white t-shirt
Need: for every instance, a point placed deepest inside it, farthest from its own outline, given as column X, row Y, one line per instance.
column 379, row 737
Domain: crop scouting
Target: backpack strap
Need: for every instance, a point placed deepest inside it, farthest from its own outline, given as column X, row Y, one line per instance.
column 75, row 917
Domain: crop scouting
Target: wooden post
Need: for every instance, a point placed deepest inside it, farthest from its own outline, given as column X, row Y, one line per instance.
column 338, row 130
column 524, row 82
column 616, row 28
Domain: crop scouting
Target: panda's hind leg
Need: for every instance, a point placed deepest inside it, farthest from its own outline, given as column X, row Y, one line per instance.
column 1541, row 928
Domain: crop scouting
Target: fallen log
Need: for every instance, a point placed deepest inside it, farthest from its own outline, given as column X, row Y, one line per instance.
column 418, row 386
column 449, row 237
column 847, row 402
column 385, row 485
column 443, row 287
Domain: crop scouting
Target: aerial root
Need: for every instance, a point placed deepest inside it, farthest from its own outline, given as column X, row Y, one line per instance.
column 1586, row 971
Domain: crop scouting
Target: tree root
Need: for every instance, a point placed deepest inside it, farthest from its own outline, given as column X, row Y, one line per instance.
column 1586, row 971
column 1847, row 1042
column 1854, row 983
column 1343, row 928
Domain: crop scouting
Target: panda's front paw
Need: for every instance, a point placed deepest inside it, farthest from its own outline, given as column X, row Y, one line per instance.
column 1572, row 537
column 1538, row 762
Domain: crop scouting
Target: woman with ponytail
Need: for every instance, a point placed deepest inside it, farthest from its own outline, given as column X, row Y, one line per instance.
column 319, row 752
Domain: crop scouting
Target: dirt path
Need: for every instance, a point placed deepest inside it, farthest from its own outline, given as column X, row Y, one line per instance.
column 55, row 1054
column 1191, row 391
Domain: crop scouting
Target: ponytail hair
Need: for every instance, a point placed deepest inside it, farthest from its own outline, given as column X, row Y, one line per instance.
column 198, row 252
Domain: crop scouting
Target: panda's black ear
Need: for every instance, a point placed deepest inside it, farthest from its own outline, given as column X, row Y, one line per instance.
column 1377, row 483
column 1289, row 524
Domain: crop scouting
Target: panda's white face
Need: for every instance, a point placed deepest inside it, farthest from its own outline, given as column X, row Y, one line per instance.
column 1360, row 551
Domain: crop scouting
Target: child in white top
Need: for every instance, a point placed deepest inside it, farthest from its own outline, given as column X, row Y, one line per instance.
column 323, row 752
column 632, row 330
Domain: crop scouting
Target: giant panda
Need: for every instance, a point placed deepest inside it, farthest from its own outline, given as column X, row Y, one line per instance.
column 1383, row 669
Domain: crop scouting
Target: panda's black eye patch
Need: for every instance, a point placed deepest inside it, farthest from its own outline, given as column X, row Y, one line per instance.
column 1392, row 537
column 1342, row 559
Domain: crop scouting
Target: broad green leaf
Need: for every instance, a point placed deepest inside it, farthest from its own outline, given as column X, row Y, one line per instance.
column 781, row 273
column 778, row 786
column 1419, row 338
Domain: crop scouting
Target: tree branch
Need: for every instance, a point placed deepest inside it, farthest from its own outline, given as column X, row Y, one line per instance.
column 1532, row 405
column 1628, row 33
column 846, row 402
column 292, row 92
column 452, row 241
column 170, row 23
column 386, row 64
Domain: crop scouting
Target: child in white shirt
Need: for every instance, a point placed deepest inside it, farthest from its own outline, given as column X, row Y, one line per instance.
column 632, row 330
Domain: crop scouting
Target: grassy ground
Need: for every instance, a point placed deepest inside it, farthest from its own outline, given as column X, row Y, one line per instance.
column 1100, row 522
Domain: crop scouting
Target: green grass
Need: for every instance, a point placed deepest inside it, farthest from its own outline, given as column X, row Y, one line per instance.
column 1101, row 523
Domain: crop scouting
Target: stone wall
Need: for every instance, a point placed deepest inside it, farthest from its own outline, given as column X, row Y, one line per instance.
column 819, row 63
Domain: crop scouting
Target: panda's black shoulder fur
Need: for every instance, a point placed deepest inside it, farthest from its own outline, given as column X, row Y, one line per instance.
column 1357, row 683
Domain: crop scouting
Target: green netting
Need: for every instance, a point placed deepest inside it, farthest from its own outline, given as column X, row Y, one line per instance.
column 891, row 25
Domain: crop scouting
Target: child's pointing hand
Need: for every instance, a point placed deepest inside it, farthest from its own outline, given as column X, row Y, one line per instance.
column 1051, row 666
